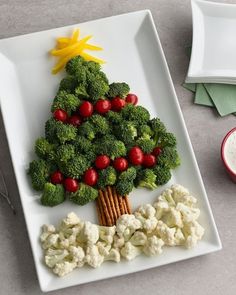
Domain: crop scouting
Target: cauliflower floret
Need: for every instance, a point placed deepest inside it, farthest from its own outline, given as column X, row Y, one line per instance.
column 167, row 196
column 130, row 251
column 89, row 233
column 138, row 239
column 118, row 242
column 103, row 248
column 126, row 225
column 146, row 211
column 161, row 208
column 181, row 195
column 179, row 237
column 173, row 218
column 153, row 246
column 46, row 231
column 106, row 233
column 188, row 214
column 71, row 220
column 52, row 256
column 51, row 241
column 193, row 233
column 114, row 255
column 166, row 233
column 77, row 254
column 93, row 257
column 63, row 268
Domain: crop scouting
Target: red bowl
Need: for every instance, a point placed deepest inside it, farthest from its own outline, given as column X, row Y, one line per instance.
column 231, row 173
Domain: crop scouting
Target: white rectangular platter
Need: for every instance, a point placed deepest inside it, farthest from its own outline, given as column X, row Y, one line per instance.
column 134, row 54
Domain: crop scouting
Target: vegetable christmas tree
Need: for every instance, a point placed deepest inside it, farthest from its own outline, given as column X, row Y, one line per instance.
column 98, row 138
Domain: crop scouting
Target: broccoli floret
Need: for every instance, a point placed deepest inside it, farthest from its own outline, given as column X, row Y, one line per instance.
column 145, row 131
column 146, row 144
column 163, row 174
column 101, row 125
column 157, row 126
column 112, row 148
column 66, row 132
column 50, row 130
column 68, row 84
column 125, row 181
column 169, row 158
column 65, row 152
column 74, row 65
column 93, row 66
column 128, row 175
column 82, row 144
column 97, row 86
column 124, row 188
column 167, row 139
column 44, row 149
column 39, row 171
column 75, row 167
column 147, row 178
column 87, row 129
column 81, row 92
column 84, row 194
column 65, row 101
column 85, row 146
column 106, row 177
column 126, row 132
column 114, row 117
column 52, row 194
column 118, row 89
column 138, row 114
column 56, row 131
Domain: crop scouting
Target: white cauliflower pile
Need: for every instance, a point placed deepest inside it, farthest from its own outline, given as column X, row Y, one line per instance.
column 170, row 221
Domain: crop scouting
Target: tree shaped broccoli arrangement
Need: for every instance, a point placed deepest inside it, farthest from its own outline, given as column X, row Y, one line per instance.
column 99, row 144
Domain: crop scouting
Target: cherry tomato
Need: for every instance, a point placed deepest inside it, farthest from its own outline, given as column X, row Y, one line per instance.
column 120, row 164
column 156, row 151
column 57, row 177
column 131, row 98
column 90, row 177
column 117, row 104
column 60, row 115
column 136, row 155
column 149, row 160
column 102, row 162
column 102, row 106
column 86, row 109
column 75, row 120
column 71, row 185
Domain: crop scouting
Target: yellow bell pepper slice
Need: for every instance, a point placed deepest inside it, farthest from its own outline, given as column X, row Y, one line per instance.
column 92, row 47
column 88, row 57
column 66, row 50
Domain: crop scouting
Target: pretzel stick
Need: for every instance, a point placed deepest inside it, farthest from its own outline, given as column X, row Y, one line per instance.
column 116, row 203
column 99, row 213
column 103, row 217
column 128, row 204
column 104, row 206
column 109, row 207
column 112, row 202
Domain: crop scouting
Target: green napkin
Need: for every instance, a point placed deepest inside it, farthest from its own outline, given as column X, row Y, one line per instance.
column 202, row 97
column 223, row 96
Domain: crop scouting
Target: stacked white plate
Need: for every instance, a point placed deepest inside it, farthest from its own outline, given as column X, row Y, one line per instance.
column 213, row 56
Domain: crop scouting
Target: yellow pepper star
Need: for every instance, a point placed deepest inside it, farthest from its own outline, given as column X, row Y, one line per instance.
column 68, row 47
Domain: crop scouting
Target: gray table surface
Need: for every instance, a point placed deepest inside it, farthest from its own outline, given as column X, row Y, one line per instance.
column 210, row 274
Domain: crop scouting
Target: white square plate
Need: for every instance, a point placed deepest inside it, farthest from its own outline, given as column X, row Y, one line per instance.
column 133, row 53
column 213, row 57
